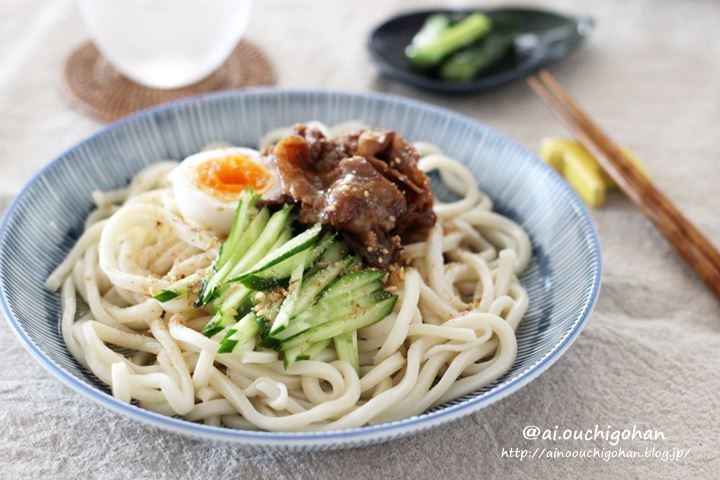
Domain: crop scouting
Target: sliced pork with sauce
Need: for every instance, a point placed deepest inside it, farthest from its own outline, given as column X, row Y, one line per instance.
column 365, row 184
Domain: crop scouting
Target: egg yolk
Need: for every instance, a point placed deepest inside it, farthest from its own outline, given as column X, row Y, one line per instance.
column 228, row 176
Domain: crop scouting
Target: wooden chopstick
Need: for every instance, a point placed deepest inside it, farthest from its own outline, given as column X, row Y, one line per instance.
column 689, row 242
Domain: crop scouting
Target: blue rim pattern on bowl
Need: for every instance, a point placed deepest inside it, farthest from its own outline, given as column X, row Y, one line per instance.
column 178, row 128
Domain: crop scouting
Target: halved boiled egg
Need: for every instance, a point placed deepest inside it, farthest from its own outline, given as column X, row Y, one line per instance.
column 207, row 185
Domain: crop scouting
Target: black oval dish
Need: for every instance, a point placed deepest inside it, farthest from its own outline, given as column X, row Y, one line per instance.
column 388, row 41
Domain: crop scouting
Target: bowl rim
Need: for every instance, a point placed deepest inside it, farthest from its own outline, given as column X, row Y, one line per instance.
column 330, row 438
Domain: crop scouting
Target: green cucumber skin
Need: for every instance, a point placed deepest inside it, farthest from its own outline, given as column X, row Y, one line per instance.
column 212, row 331
column 167, row 295
column 269, row 342
column 244, row 308
column 259, row 283
column 339, row 327
column 265, row 318
column 263, row 326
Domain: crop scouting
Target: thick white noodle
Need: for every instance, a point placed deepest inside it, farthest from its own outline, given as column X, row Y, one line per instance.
column 452, row 331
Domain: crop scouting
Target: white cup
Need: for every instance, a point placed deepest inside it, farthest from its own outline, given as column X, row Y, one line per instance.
column 166, row 43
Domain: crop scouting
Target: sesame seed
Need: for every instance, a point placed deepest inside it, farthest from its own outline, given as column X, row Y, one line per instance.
column 370, row 249
column 366, row 194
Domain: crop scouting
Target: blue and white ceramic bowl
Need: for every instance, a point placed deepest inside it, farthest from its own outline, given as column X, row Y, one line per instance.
column 47, row 217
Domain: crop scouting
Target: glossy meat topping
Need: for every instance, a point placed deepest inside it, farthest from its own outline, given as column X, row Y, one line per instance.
column 365, row 184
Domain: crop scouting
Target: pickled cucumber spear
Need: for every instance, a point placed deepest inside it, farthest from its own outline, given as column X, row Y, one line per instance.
column 467, row 63
column 434, row 26
column 436, row 41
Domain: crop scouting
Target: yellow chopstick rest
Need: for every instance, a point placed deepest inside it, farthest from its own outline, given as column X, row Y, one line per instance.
column 632, row 158
column 580, row 168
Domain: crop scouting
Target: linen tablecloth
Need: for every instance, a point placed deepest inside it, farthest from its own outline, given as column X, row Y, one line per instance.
column 649, row 356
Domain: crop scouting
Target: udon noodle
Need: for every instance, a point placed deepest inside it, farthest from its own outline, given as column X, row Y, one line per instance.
column 452, row 330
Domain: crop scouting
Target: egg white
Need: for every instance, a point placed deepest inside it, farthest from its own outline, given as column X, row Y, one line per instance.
column 201, row 207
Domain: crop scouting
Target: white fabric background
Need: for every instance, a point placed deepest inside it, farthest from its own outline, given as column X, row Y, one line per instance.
column 649, row 356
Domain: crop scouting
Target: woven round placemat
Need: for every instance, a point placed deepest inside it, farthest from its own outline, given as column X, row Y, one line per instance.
column 99, row 89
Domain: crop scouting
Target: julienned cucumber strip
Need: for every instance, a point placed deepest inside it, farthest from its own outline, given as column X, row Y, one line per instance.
column 296, row 244
column 316, row 283
column 257, row 283
column 177, row 289
column 306, row 352
column 346, row 347
column 237, row 301
column 242, row 332
column 351, row 281
column 266, row 314
column 339, row 327
column 339, row 307
column 248, row 199
column 314, row 349
column 234, row 252
column 230, row 246
column 334, row 253
column 283, row 238
column 288, row 306
column 280, row 272
column 216, row 324
column 237, row 304
column 260, row 247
